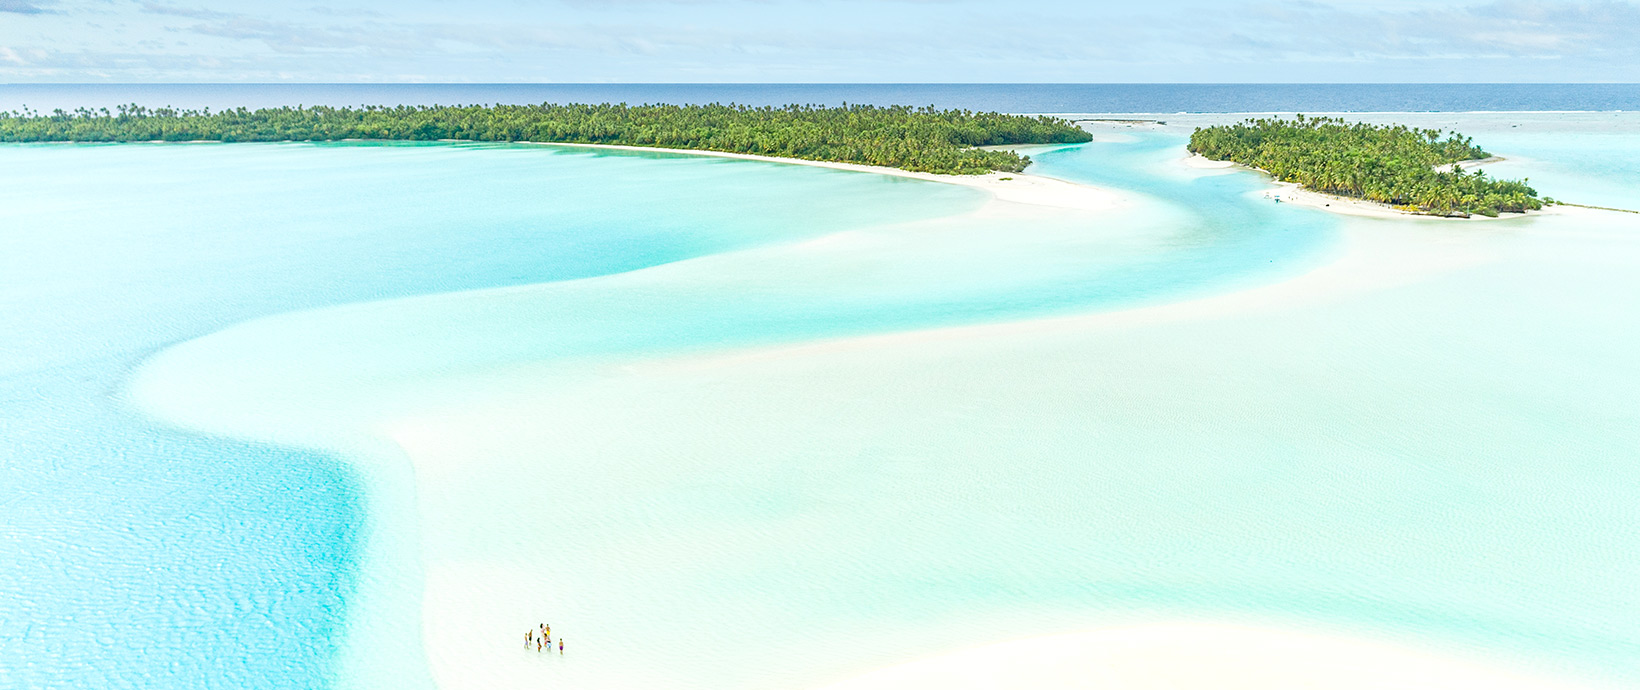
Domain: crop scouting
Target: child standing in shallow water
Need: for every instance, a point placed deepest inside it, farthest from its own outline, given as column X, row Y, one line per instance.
column 560, row 645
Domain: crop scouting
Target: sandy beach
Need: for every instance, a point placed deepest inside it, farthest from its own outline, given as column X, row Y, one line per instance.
column 1021, row 188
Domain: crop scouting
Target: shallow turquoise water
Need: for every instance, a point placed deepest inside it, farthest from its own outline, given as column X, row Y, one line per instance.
column 138, row 556
column 183, row 241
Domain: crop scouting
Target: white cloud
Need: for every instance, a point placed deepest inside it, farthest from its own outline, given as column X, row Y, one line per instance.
column 25, row 6
column 833, row 40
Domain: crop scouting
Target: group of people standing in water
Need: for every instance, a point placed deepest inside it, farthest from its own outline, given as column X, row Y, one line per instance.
column 542, row 639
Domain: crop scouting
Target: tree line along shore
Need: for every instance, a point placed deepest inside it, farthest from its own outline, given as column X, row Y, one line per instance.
column 1411, row 169
column 916, row 139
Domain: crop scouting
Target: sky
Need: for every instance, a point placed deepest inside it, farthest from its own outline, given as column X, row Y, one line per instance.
column 642, row 41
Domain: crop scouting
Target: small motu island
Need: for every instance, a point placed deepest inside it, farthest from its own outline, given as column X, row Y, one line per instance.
column 915, row 139
column 1414, row 170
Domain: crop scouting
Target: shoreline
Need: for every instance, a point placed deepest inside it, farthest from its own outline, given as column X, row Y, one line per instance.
column 1019, row 188
column 1293, row 193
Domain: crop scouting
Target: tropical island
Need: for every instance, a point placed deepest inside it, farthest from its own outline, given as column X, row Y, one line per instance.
column 916, row 139
column 1414, row 170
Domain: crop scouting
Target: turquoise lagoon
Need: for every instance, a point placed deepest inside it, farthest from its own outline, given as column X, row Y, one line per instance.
column 1448, row 462
column 141, row 556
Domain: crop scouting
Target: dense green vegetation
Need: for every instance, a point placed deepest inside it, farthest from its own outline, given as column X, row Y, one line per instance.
column 919, row 139
column 1409, row 168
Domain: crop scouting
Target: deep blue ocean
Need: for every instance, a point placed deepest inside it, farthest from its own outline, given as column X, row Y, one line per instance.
column 1014, row 98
